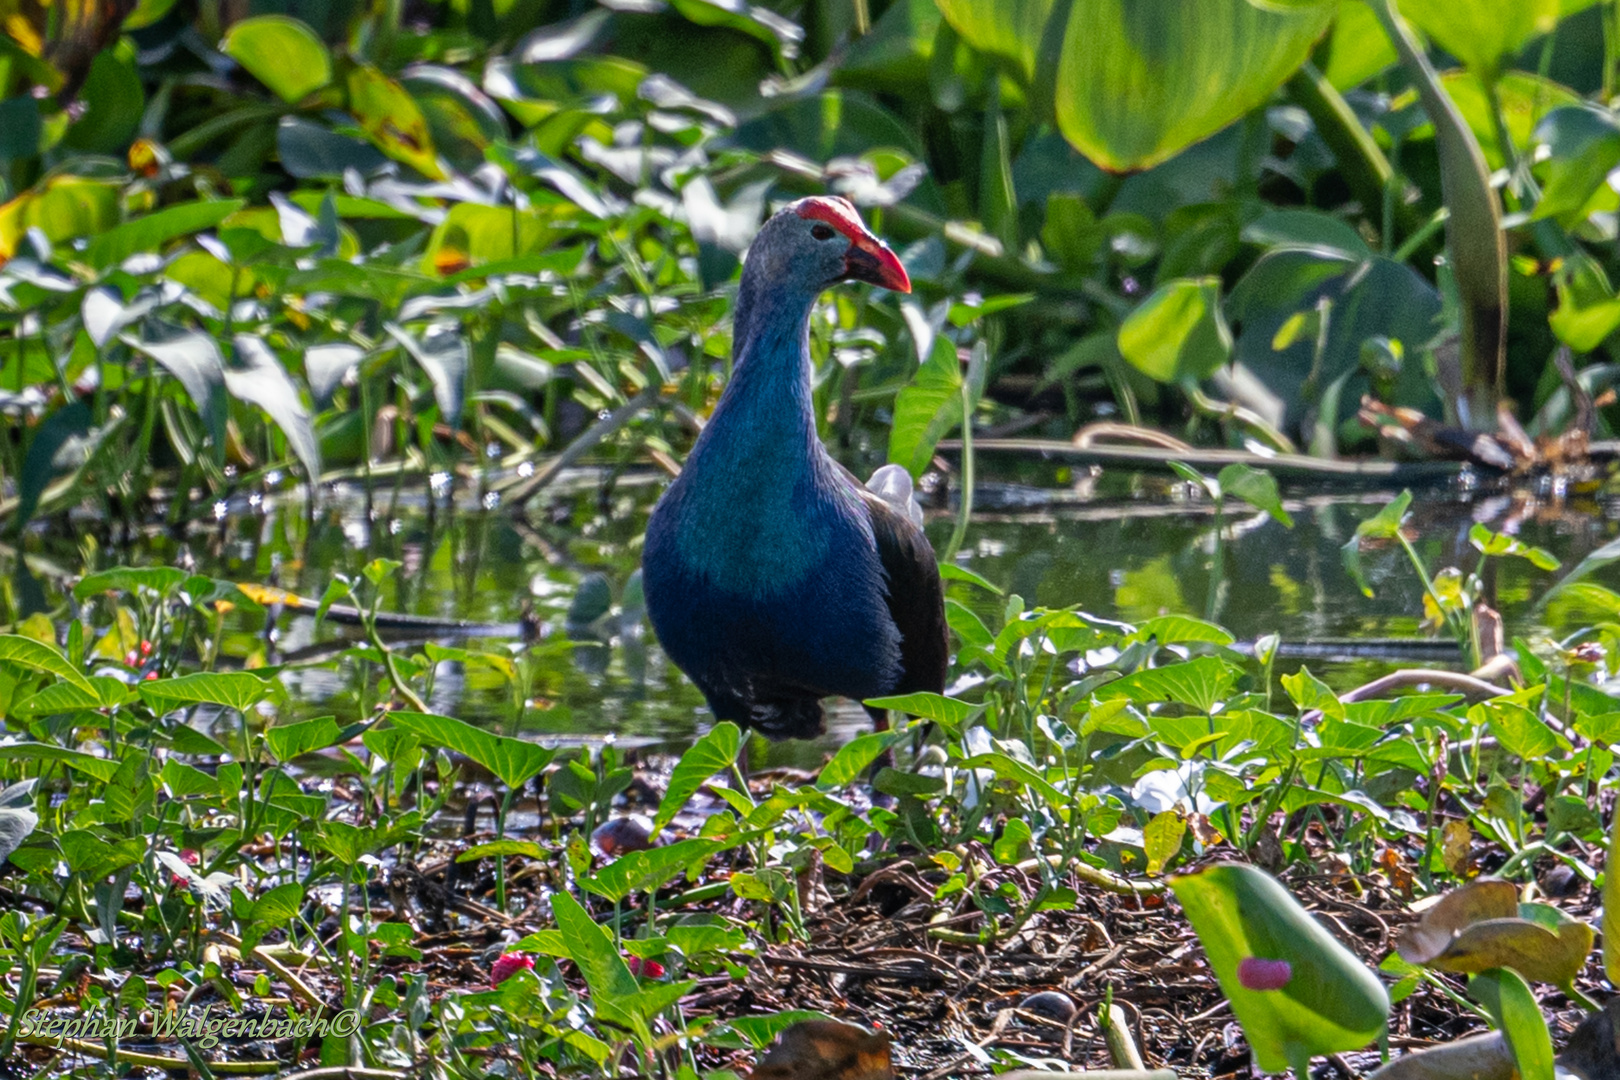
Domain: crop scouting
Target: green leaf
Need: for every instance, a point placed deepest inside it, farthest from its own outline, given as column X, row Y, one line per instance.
column 1306, row 691
column 1202, row 683
column 592, row 948
column 393, row 122
column 130, row 579
column 1384, row 525
column 1494, row 543
column 1256, row 487
column 1330, row 1003
column 1139, row 81
column 151, row 231
column 1179, row 630
column 514, row 761
column 105, row 693
column 25, row 651
column 1611, row 904
column 261, row 380
column 1161, row 839
column 183, row 780
column 949, row 711
column 1178, row 333
column 1521, row 732
column 649, row 870
column 853, row 759
column 714, row 753
column 1582, row 148
column 1482, row 33
column 927, row 408
column 98, row 768
column 282, row 53
column 288, row 741
column 1508, row 998
column 234, row 689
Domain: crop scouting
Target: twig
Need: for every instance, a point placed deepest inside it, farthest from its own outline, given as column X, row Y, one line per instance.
column 1450, row 680
column 526, row 489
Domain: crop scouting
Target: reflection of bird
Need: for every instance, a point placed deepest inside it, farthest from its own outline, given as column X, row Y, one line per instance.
column 773, row 577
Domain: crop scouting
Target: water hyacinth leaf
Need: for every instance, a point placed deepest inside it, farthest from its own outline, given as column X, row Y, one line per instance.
column 309, row 151
column 1482, row 33
column 715, row 752
column 161, row 580
column 1330, row 1003
column 392, row 120
column 112, row 99
column 1179, row 332
column 649, row 870
column 1180, row 629
column 233, row 689
column 1517, row 1013
column 282, row 53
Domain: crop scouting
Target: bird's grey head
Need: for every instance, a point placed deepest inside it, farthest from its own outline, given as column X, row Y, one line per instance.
column 817, row 242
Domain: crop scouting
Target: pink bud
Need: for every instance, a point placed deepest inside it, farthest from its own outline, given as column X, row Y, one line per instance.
column 146, row 647
column 507, row 965
column 646, row 969
column 1257, row 974
column 130, row 659
column 150, row 676
column 190, row 857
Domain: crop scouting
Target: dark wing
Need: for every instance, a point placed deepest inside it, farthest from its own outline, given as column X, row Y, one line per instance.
column 916, row 598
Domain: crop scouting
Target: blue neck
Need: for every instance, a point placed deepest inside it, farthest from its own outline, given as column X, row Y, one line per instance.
column 765, row 423
column 759, row 502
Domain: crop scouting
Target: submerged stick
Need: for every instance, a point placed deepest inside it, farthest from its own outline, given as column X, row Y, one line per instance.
column 526, row 489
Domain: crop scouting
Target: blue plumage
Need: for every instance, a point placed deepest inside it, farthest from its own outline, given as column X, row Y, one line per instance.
column 773, row 579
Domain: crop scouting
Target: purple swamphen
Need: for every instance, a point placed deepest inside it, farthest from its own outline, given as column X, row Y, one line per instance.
column 773, row 577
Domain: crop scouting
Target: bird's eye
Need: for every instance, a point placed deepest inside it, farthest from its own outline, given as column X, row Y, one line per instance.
column 821, row 232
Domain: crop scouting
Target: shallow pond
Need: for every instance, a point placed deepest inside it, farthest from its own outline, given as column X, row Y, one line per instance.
column 1121, row 545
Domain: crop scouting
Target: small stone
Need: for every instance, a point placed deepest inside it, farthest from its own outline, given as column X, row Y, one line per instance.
column 620, row 836
column 1057, row 1007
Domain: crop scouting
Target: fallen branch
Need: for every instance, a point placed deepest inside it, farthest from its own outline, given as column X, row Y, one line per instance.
column 1478, row 1057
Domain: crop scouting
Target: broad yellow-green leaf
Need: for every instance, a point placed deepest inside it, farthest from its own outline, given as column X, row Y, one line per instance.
column 393, row 121
column 1482, row 33
column 1525, row 99
column 282, row 53
column 1138, row 81
column 1358, row 48
column 1178, row 332
column 1324, row 1001
column 1141, row 80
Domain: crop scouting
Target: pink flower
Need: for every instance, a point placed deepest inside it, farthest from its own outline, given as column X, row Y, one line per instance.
column 646, row 969
column 507, row 965
column 1257, row 974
